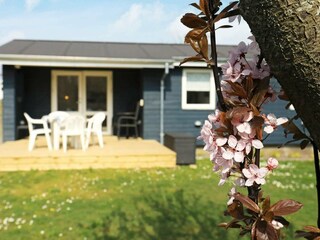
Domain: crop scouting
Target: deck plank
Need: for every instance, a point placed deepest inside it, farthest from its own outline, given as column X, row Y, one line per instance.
column 123, row 153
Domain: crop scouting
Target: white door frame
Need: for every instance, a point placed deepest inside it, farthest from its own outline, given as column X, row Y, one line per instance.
column 82, row 92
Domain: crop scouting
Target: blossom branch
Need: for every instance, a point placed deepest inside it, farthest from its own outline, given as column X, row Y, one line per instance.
column 221, row 103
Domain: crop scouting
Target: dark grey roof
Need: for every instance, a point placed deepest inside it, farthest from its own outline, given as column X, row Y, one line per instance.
column 102, row 49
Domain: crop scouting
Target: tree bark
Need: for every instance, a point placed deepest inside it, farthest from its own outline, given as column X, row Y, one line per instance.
column 288, row 33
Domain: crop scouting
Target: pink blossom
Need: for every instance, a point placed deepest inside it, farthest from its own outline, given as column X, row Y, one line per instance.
column 254, row 174
column 231, row 194
column 240, row 119
column 272, row 163
column 272, row 122
column 215, row 118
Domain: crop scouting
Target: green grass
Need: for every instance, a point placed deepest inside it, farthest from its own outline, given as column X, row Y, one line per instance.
column 182, row 203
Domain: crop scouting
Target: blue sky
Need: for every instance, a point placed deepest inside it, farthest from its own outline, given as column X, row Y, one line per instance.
column 103, row 20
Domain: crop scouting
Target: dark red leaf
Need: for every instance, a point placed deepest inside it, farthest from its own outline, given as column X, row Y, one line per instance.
column 265, row 231
column 266, row 204
column 238, row 89
column 191, row 59
column 224, row 26
column 311, row 229
column 291, row 128
column 224, row 11
column 194, row 44
column 304, row 143
column 236, row 210
column 191, row 20
column 195, row 5
column 196, row 33
column 285, row 207
column 204, row 7
column 247, row 202
column 203, row 44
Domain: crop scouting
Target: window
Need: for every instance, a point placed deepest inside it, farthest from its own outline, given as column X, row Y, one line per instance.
column 198, row 90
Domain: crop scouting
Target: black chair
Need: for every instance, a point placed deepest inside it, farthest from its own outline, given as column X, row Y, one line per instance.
column 129, row 120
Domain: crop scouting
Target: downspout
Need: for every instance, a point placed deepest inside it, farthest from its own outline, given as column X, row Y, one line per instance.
column 166, row 72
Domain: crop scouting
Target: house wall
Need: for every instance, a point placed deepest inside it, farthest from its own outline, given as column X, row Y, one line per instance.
column 9, row 96
column 28, row 89
column 177, row 120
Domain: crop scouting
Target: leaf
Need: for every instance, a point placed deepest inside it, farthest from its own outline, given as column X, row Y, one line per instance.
column 236, row 210
column 285, row 207
column 247, row 202
column 224, row 26
column 195, row 5
column 259, row 91
column 311, row 229
column 191, row 59
column 257, row 122
column 196, row 34
column 238, row 89
column 265, row 231
column 266, row 204
column 248, row 85
column 204, row 7
column 304, row 143
column 224, row 11
column 203, row 44
column 191, row 20
column 291, row 128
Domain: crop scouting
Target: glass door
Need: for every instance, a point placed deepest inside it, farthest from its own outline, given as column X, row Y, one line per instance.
column 84, row 92
column 66, row 91
column 98, row 95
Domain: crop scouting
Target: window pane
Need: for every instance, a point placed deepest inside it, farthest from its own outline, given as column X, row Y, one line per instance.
column 197, row 81
column 68, row 93
column 195, row 97
column 96, row 93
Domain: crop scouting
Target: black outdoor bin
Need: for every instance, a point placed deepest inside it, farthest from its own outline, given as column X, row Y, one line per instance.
column 184, row 146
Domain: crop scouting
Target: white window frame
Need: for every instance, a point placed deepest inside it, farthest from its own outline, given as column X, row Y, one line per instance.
column 206, row 106
column 81, row 74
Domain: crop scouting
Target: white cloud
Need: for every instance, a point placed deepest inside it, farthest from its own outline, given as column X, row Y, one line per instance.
column 31, row 4
column 130, row 19
column 138, row 20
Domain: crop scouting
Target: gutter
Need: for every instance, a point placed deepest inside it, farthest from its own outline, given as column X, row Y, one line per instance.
column 76, row 61
column 162, row 88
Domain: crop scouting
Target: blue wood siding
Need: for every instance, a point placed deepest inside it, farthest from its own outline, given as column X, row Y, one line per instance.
column 28, row 89
column 9, row 96
column 183, row 121
column 151, row 110
column 177, row 119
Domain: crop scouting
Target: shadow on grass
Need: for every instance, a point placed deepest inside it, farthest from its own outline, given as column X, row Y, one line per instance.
column 173, row 216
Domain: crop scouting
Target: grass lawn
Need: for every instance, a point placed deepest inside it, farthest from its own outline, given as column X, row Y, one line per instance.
column 181, row 203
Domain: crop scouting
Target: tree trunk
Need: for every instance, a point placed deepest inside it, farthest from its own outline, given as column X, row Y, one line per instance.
column 288, row 33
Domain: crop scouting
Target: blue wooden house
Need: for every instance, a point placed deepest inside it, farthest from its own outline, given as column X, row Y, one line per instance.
column 44, row 76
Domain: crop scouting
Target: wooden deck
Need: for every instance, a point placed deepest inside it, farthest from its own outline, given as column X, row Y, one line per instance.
column 123, row 153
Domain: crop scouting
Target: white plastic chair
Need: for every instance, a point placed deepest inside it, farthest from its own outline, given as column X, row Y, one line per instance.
column 55, row 119
column 73, row 126
column 95, row 126
column 34, row 132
